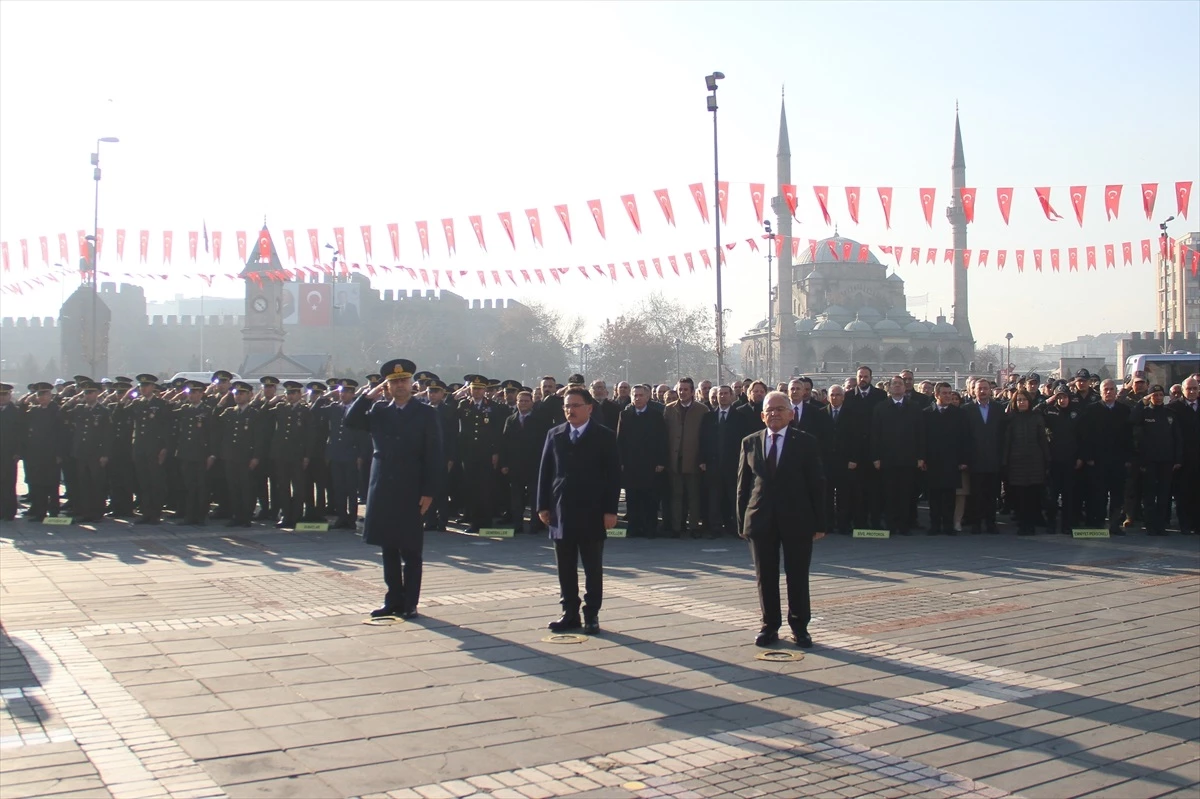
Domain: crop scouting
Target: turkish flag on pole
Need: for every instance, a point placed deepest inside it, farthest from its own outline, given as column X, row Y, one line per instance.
column 1183, row 195
column 1091, row 258
column 394, row 237
column 1078, row 197
column 423, row 235
column 864, row 252
column 1112, row 200
column 167, row 237
column 822, row 193
column 852, row 195
column 757, row 190
column 451, row 244
column 241, row 244
column 193, row 244
column 506, row 223
column 216, row 246
column 366, row 234
column 339, row 240
column 1110, row 260
column 1146, row 251
column 120, row 247
column 535, row 225
column 1149, row 194
column 63, row 253
column 565, row 217
column 1043, row 195
column 289, row 242
column 264, row 246
column 312, row 245
column 966, row 254
column 84, row 252
column 477, row 225
column 598, row 215
column 631, row 208
column 885, row 199
column 927, row 198
column 664, row 202
column 697, row 190
column 1001, row 259
column 796, row 248
column 846, row 248
column 1004, row 198
column 789, row 197
column 968, row 204
column 99, row 241
column 723, row 199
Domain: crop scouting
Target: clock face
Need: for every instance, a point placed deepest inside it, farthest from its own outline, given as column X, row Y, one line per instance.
column 260, row 304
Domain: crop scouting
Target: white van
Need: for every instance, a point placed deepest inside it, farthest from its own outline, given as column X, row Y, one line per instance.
column 203, row 377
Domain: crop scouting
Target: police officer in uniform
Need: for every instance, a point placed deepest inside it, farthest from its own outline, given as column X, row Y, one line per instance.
column 243, row 437
column 1158, row 454
column 480, row 424
column 193, row 425
column 293, row 441
column 1062, row 431
column 91, row 443
column 151, row 442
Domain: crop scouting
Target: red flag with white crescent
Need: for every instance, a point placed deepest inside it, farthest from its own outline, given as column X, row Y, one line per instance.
column 477, row 225
column 535, row 225
column 723, row 199
column 1110, row 259
column 1055, row 262
column 46, row 250
column 914, row 255
column 864, row 252
column 852, row 195
column 216, row 245
column 423, row 236
column 885, row 199
column 822, row 193
column 833, row 250
column 1146, row 251
column 1001, row 259
column 753, row 244
column 704, row 257
column 289, row 242
column 339, row 241
column 1112, row 200
column 312, row 245
column 525, row 275
column 757, row 190
column 508, row 273
column 1127, row 253
column 120, row 247
column 553, row 273
column 642, row 269
column 598, row 215
column 697, row 190
column 629, row 268
column 1149, row 195
column 1043, row 195
column 812, row 250
column 931, row 256
column 1037, row 260
column 846, row 248
column 1078, row 197
column 983, row 256
column 496, row 277
column 789, row 197
column 1004, row 199
column 63, row 252
column 84, row 252
column 1021, row 260
column 437, row 283
column 927, row 199
column 99, row 241
column 451, row 242
column 674, row 264
column 366, row 234
column 966, row 256
column 968, row 204
column 565, row 218
column 394, row 237
column 664, row 202
column 241, row 245
column 193, row 244
column 540, row 276
column 795, row 249
column 1195, row 262
column 631, row 208
column 1072, row 259
column 1091, row 258
column 687, row 256
column 24, row 253
column 1183, row 196
column 4, row 255
column 657, row 266
column 612, row 272
column 167, row 238
column 507, row 223
column 425, row 276
column 264, row 247
column 949, row 257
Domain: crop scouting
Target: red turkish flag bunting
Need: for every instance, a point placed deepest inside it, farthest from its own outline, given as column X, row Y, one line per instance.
column 193, row 244
column 674, row 264
column 1149, row 194
column 657, row 266
column 753, row 244
column 914, row 255
column 289, row 242
column 983, row 256
column 216, row 245
column 524, row 274
column 241, row 245
column 723, row 199
column 949, row 257
column 687, row 256
column 966, row 256
column 704, row 257
column 366, row 234
column 496, row 276
column 1112, row 200
column 757, row 190
column 264, row 246
column 4, row 257
column 339, row 240
column 789, row 197
column 24, row 253
column 822, row 193
column 315, row 246
column 642, row 269
column 506, row 223
column 84, row 253
column 852, row 195
column 931, row 256
column 1043, row 195
column 1001, row 259
column 1073, row 259
column 1037, row 260
column 1004, row 199
column 565, row 217
column 968, row 204
column 1020, row 260
column 46, row 247
column 630, row 204
column 451, row 243
column 1146, row 251
column 1054, row 260
column 864, row 252
column 927, row 198
column 394, row 238
column 120, row 246
column 1195, row 262
column 1183, row 195
column 1091, row 258
column 65, row 255
column 583, row 270
column 664, row 202
column 477, row 225
column 535, row 225
column 1127, row 253
column 167, row 236
column 697, row 190
column 885, row 199
column 598, row 215
column 423, row 235
column 99, row 242
column 1078, row 197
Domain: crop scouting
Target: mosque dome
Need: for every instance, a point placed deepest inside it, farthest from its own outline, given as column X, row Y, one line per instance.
column 887, row 326
column 945, row 328
column 827, row 326
column 837, row 313
column 804, row 325
column 918, row 327
column 858, row 326
column 869, row 313
column 826, row 254
column 894, row 276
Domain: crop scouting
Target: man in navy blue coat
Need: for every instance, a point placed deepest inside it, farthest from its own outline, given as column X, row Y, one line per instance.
column 407, row 471
column 579, row 483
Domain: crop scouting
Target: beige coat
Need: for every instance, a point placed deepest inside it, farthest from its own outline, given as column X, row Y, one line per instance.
column 683, row 436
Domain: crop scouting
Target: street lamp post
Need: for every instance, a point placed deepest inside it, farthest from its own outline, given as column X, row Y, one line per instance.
column 95, row 253
column 678, row 369
column 1008, row 359
column 1164, row 281
column 627, row 361
column 711, row 82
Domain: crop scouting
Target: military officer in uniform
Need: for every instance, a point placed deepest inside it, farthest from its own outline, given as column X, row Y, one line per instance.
column 447, row 414
column 318, row 489
column 480, row 424
column 151, row 442
column 293, row 440
column 43, row 453
column 91, row 443
column 267, row 490
column 121, row 477
column 242, row 440
column 193, row 425
column 12, row 439
column 346, row 448
column 408, row 472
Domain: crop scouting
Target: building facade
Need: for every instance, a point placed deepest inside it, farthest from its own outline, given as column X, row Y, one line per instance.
column 1178, row 290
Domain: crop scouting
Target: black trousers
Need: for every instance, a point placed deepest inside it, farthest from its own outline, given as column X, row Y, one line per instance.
column 1187, row 498
column 722, row 499
column 402, row 573
column 1133, row 493
column 152, row 484
column 868, row 498
column 43, row 490
column 8, row 488
column 839, row 498
column 797, row 556
column 941, row 510
column 567, row 556
column 344, row 482
column 1027, row 502
column 641, row 506
column 477, row 490
column 1060, row 496
column 898, row 482
column 318, row 492
column 240, row 490
column 1106, row 493
column 1156, row 492
column 195, row 490
column 289, row 488
column 88, row 500
column 267, row 489
column 522, row 494
column 984, row 487
column 121, row 483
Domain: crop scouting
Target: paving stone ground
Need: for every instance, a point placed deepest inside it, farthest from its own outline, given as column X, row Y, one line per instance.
column 199, row 662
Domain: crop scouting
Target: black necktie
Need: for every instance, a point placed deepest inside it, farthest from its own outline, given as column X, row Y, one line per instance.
column 835, row 413
column 771, row 454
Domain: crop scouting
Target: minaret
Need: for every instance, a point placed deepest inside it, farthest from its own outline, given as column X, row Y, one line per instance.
column 958, row 220
column 785, row 322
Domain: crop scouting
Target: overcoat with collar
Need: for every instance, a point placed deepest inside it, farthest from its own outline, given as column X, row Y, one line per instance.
column 792, row 498
column 579, row 483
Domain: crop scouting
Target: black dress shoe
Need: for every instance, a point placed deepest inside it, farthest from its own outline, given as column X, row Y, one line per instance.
column 379, row 613
column 803, row 639
column 409, row 615
column 766, row 636
column 233, row 523
column 591, row 626
column 564, row 623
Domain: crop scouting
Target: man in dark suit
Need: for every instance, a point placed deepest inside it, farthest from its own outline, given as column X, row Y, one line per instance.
column 520, row 455
column 721, row 434
column 1187, row 498
column 844, row 455
column 751, row 410
column 861, row 401
column 605, row 411
column 642, row 444
column 897, row 453
column 579, row 484
column 946, row 455
column 1107, row 449
column 781, row 504
column 985, row 432
column 807, row 413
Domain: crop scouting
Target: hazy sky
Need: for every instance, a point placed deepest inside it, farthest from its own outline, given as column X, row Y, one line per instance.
column 322, row 115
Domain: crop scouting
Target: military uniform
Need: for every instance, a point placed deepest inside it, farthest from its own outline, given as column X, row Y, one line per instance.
column 122, row 480
column 293, row 440
column 242, row 438
column 91, row 447
column 480, row 427
column 151, row 442
column 346, row 448
column 12, row 441
column 1158, row 448
column 317, row 487
column 193, row 429
column 267, row 488
column 43, row 457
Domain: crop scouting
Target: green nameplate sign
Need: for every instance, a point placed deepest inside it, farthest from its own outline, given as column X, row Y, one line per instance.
column 58, row 521
column 495, row 532
column 312, row 527
column 617, row 532
column 872, row 534
column 1089, row 532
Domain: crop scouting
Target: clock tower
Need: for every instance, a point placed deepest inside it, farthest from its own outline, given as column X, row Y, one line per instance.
column 262, row 337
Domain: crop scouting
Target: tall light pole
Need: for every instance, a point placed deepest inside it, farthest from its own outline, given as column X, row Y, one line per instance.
column 711, row 82
column 1164, row 280
column 1008, row 369
column 770, row 298
column 678, row 368
column 95, row 248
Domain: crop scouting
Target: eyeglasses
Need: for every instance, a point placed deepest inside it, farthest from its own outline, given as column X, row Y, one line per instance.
column 777, row 410
column 574, row 404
